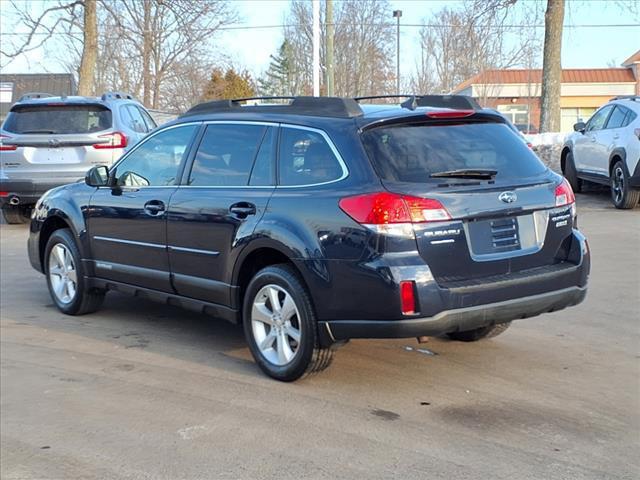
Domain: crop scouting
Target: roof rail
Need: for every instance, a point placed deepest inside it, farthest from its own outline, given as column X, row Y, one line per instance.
column 455, row 102
column 33, row 95
column 633, row 98
column 116, row 96
column 336, row 107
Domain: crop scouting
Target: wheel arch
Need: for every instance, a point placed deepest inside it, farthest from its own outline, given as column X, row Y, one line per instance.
column 52, row 223
column 256, row 257
column 618, row 154
column 563, row 157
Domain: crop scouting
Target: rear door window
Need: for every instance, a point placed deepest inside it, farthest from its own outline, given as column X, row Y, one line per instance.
column 226, row 155
column 617, row 117
column 411, row 153
column 306, row 158
column 134, row 119
column 58, row 119
column 150, row 122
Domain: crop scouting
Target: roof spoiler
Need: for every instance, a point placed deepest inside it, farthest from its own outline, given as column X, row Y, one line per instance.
column 34, row 95
column 455, row 102
column 335, row 107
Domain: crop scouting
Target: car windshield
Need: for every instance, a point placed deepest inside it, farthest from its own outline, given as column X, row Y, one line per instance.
column 417, row 153
column 61, row 119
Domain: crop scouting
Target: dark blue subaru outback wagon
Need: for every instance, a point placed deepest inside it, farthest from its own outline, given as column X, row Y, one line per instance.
column 318, row 220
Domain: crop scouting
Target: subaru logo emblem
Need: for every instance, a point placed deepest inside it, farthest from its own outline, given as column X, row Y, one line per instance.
column 508, row 197
column 54, row 143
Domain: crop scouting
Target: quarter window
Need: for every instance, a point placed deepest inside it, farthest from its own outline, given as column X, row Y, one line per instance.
column 306, row 158
column 226, row 155
column 156, row 162
column 134, row 119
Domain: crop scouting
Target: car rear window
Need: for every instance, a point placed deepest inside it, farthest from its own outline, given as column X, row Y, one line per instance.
column 58, row 119
column 412, row 152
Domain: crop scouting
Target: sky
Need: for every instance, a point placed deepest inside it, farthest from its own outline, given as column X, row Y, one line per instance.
column 583, row 47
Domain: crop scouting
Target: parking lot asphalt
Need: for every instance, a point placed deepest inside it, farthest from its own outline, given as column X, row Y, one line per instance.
column 142, row 390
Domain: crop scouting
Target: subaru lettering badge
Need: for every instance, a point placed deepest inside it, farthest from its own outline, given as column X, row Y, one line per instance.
column 508, row 197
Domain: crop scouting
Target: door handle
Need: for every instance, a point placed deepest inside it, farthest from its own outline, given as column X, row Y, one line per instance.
column 616, row 136
column 242, row 209
column 154, row 207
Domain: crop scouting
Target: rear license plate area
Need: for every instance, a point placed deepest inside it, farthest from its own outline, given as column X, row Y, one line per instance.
column 494, row 235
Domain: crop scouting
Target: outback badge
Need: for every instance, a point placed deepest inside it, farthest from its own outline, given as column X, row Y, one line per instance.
column 508, row 197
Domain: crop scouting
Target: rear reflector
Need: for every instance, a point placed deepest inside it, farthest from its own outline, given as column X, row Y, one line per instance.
column 5, row 148
column 564, row 194
column 384, row 208
column 4, row 194
column 450, row 113
column 115, row 140
column 408, row 297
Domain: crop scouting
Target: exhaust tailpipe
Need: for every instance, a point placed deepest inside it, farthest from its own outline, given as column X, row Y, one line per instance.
column 14, row 200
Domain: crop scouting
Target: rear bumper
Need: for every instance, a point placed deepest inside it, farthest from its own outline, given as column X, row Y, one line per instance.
column 29, row 191
column 461, row 319
column 461, row 306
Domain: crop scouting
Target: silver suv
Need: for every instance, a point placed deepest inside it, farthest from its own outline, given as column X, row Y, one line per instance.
column 48, row 141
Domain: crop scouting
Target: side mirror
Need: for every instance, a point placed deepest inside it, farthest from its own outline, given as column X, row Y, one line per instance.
column 580, row 127
column 97, row 176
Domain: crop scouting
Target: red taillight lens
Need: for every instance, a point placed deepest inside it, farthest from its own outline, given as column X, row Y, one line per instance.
column 115, row 140
column 408, row 297
column 564, row 194
column 4, row 194
column 450, row 113
column 3, row 147
column 386, row 208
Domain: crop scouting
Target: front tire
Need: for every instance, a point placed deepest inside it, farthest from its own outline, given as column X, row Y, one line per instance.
column 16, row 214
column 622, row 195
column 479, row 333
column 280, row 325
column 571, row 173
column 65, row 276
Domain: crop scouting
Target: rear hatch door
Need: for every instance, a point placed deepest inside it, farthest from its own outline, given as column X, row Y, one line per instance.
column 500, row 196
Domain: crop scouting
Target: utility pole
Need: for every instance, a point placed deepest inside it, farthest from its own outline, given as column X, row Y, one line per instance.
column 316, row 48
column 330, row 33
column 397, row 14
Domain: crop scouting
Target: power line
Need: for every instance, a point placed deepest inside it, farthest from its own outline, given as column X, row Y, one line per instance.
column 388, row 25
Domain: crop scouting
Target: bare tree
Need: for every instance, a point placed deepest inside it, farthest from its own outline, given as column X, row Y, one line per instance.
column 459, row 43
column 363, row 44
column 164, row 35
column 551, row 67
column 89, row 49
column 67, row 17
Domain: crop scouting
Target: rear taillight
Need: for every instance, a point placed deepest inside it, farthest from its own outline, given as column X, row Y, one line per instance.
column 4, row 147
column 385, row 208
column 564, row 194
column 450, row 113
column 114, row 140
column 4, row 194
column 408, row 297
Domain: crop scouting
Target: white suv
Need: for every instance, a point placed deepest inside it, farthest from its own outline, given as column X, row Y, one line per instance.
column 606, row 150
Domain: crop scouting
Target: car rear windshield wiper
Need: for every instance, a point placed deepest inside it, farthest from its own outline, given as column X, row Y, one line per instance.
column 37, row 131
column 466, row 173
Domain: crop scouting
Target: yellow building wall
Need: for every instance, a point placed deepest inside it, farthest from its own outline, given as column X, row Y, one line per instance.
column 577, row 102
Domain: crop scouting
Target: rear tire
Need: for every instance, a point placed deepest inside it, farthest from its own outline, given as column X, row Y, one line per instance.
column 65, row 276
column 16, row 214
column 280, row 325
column 571, row 174
column 622, row 195
column 479, row 333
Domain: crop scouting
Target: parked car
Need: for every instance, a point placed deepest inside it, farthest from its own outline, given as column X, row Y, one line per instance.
column 49, row 141
column 606, row 150
column 319, row 221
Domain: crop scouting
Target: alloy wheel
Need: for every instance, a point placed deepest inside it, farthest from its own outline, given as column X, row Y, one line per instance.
column 62, row 273
column 618, row 185
column 275, row 324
